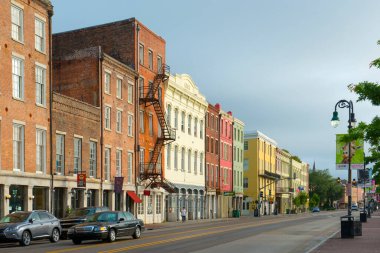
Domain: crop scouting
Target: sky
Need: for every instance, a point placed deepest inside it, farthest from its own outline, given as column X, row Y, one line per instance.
column 279, row 66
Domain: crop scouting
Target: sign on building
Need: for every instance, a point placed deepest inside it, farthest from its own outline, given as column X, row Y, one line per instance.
column 81, row 180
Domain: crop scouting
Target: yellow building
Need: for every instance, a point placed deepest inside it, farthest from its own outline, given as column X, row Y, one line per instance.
column 260, row 175
column 283, row 194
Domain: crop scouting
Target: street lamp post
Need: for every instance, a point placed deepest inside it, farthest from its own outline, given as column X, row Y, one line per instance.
column 351, row 123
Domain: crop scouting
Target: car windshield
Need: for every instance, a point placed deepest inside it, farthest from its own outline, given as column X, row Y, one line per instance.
column 102, row 217
column 81, row 212
column 15, row 217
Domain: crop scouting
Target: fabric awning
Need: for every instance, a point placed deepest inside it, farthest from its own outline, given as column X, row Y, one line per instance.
column 133, row 196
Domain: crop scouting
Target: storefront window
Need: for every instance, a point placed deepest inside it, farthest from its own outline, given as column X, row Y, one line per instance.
column 17, row 200
column 40, row 201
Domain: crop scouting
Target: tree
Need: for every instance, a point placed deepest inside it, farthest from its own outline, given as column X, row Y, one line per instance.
column 322, row 184
column 368, row 91
column 314, row 201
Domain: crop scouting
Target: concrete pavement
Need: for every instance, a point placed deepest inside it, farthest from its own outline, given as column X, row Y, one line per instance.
column 368, row 242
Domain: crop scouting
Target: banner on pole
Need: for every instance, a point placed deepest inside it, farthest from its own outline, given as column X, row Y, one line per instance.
column 342, row 151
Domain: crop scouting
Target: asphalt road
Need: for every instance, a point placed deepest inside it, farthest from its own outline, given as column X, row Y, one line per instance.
column 290, row 233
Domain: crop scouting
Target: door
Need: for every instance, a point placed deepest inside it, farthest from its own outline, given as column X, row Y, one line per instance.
column 46, row 224
column 132, row 223
column 36, row 226
column 122, row 225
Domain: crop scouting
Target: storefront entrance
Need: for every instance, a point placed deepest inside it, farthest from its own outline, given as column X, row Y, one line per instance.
column 18, row 199
column 41, row 199
column 59, row 200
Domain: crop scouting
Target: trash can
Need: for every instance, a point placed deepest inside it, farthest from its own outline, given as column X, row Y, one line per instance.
column 256, row 212
column 238, row 213
column 358, row 228
column 347, row 227
column 234, row 213
column 287, row 211
column 363, row 216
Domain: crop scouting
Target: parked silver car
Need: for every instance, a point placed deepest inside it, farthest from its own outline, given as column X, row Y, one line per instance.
column 23, row 227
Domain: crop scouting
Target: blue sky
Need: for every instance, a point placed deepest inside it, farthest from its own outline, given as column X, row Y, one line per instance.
column 280, row 66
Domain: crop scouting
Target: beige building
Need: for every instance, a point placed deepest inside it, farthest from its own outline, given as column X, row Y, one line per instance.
column 283, row 168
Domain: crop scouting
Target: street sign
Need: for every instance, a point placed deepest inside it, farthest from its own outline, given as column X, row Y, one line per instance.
column 81, row 180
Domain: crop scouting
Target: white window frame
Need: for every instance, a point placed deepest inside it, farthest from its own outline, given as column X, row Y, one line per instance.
column 18, row 147
column 119, row 121
column 77, row 155
column 130, row 93
column 40, row 151
column 130, row 125
column 119, row 162
column 107, row 117
column 93, row 158
column 119, row 88
column 168, row 156
column 17, row 31
column 195, row 162
column 201, row 129
column 150, row 59
column 159, row 64
column 107, row 164
column 141, row 54
column 158, row 204
column 17, row 78
column 189, row 119
column 39, row 35
column 195, row 127
column 60, row 154
column 175, row 157
column 129, row 167
column 107, row 82
column 40, row 85
column 141, row 118
column 189, row 161
column 201, row 163
column 150, row 125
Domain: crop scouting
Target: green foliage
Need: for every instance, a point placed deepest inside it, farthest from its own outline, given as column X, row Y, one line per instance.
column 368, row 91
column 296, row 158
column 324, row 188
column 303, row 198
column 297, row 201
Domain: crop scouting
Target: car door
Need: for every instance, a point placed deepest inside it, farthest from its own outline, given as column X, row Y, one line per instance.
column 122, row 224
column 132, row 222
column 46, row 223
column 35, row 226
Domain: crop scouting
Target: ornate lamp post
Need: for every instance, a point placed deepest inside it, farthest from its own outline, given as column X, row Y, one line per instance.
column 351, row 123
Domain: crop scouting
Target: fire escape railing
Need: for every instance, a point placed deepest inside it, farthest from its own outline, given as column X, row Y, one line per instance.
column 148, row 96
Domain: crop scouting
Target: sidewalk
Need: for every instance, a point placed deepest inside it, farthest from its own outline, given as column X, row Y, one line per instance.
column 368, row 242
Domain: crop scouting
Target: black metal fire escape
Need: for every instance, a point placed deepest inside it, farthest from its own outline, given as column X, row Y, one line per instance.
column 152, row 171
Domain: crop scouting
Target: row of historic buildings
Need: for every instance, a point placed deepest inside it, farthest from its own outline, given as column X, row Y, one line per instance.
column 94, row 117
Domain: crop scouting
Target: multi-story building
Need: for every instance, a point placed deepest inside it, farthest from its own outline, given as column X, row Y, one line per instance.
column 283, row 195
column 212, row 160
column 25, row 118
column 185, row 158
column 225, row 193
column 134, row 45
column 238, row 143
column 97, row 79
column 260, row 175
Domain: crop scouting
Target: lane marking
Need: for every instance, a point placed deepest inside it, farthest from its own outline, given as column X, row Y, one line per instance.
column 322, row 242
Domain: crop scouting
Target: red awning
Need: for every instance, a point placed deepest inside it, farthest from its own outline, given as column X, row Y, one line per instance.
column 133, row 196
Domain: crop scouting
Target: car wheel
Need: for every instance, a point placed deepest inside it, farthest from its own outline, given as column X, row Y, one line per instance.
column 137, row 233
column 25, row 238
column 77, row 241
column 111, row 235
column 54, row 235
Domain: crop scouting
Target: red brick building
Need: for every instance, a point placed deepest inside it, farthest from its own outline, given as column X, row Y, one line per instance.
column 132, row 44
column 212, row 160
column 98, row 80
column 25, row 175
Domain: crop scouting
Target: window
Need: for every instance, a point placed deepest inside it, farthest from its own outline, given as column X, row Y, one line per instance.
column 119, row 85
column 119, row 121
column 130, row 167
column 150, row 205
column 130, row 125
column 216, row 175
column 201, row 129
column 142, row 122
column 107, row 117
column 176, row 118
column 196, row 127
column 141, row 87
column 234, row 177
column 130, row 93
column 107, row 163
column 189, row 124
column 77, row 155
column 216, row 147
column 93, row 156
column 150, row 124
column 183, row 159
column 150, row 55
column 234, row 133
column 211, row 171
column 40, row 150
column 234, row 154
column 245, row 182
column 175, row 157
column 140, row 206
column 142, row 160
column 60, row 153
column 17, row 23
column 40, row 85
column 141, row 54
column 18, row 78
column 212, row 145
column 169, row 115
column 195, row 162
column 118, row 162
column 158, row 204
column 207, row 144
column 245, row 164
column 201, row 164
column 159, row 64
column 107, row 83
column 168, row 157
column 189, row 161
column 245, row 145
column 39, row 27
column 18, row 147
column 183, row 121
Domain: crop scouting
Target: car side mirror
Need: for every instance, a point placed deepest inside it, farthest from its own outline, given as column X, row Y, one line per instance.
column 31, row 220
column 121, row 219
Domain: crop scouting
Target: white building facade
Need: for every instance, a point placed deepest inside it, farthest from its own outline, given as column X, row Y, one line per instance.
column 185, row 158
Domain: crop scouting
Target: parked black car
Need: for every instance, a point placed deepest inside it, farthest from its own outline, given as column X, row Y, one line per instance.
column 78, row 216
column 23, row 227
column 107, row 226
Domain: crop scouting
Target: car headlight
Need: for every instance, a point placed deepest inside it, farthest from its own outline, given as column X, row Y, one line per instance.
column 11, row 229
column 98, row 229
